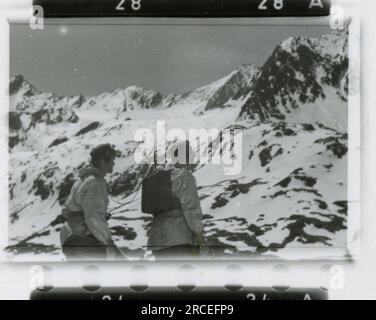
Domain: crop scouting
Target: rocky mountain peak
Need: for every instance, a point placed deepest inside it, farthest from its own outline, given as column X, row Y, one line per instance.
column 300, row 72
column 18, row 83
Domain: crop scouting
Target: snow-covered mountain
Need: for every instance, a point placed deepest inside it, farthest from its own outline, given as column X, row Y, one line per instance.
column 292, row 189
column 304, row 78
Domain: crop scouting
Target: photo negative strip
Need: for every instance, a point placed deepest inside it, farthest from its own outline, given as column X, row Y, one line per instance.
column 148, row 139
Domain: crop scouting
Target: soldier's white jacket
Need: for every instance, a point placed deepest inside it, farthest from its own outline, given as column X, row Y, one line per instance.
column 178, row 226
column 86, row 208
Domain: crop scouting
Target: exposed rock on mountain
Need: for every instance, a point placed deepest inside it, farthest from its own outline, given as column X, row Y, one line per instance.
column 291, row 191
column 303, row 77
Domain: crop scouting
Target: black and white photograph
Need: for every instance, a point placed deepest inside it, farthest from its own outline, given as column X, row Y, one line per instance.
column 151, row 140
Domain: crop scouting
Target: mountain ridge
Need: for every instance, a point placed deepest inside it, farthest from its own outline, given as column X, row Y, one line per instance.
column 291, row 191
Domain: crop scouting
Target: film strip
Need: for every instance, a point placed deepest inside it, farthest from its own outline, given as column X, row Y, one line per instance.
column 142, row 284
column 321, row 199
column 184, row 8
column 186, row 293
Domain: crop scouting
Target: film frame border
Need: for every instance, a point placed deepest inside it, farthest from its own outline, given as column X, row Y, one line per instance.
column 354, row 126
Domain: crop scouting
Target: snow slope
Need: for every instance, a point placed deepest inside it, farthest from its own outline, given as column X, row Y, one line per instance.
column 290, row 194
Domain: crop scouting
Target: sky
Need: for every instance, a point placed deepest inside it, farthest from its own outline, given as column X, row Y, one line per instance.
column 91, row 59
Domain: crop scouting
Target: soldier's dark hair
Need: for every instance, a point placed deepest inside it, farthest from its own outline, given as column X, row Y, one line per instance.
column 100, row 153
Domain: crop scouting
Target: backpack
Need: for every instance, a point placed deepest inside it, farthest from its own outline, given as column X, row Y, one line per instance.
column 157, row 194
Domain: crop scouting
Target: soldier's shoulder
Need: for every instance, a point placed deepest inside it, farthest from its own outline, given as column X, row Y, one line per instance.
column 91, row 181
column 181, row 174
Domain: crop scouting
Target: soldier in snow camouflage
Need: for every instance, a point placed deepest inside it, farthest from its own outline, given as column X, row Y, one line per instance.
column 86, row 233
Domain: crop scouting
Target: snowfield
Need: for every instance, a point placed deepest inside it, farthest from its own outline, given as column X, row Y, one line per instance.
column 290, row 198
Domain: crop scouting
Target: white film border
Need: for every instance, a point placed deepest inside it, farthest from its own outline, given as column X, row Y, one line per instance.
column 205, row 273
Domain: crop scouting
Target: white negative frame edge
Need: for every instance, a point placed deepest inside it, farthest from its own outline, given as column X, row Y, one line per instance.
column 351, row 11
column 23, row 13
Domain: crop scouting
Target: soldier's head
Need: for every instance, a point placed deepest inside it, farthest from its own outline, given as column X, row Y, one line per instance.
column 103, row 157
